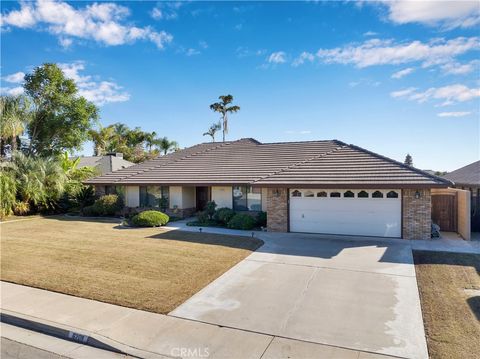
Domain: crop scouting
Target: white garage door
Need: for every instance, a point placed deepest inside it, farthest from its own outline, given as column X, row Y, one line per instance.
column 351, row 212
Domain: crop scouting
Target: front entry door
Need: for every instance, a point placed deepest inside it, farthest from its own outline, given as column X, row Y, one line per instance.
column 444, row 212
column 202, row 197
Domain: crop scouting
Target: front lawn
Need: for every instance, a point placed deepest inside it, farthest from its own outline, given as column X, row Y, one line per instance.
column 152, row 269
column 449, row 285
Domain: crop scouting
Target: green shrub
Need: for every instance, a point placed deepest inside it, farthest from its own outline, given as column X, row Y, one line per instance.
column 202, row 217
column 90, row 211
column 21, row 208
column 241, row 221
column 224, row 215
column 108, row 205
column 210, row 209
column 150, row 219
column 8, row 190
column 261, row 219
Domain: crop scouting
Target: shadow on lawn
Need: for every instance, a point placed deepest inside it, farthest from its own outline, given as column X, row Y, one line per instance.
column 209, row 238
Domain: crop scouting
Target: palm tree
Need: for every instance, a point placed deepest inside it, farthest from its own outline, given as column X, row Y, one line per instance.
column 223, row 108
column 213, row 130
column 102, row 139
column 14, row 116
column 165, row 145
column 151, row 140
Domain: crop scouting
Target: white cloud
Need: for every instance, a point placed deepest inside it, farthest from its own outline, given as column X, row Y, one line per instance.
column 65, row 42
column 12, row 91
column 302, row 132
column 403, row 93
column 454, row 114
column 450, row 94
column 101, row 22
column 192, row 52
column 448, row 14
column 455, row 68
column 15, row 78
column 304, row 57
column 370, row 33
column 277, row 57
column 242, row 51
column 402, row 73
column 381, row 52
column 166, row 10
column 99, row 92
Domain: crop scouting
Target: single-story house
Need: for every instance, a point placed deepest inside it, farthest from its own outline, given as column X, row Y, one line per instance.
column 468, row 178
column 313, row 187
column 107, row 163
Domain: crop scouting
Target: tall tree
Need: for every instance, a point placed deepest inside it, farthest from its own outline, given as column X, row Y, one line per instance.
column 224, row 109
column 14, row 117
column 151, row 140
column 101, row 139
column 165, row 145
column 212, row 130
column 61, row 119
column 408, row 160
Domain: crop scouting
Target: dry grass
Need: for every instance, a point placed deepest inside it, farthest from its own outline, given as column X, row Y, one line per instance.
column 451, row 313
column 150, row 268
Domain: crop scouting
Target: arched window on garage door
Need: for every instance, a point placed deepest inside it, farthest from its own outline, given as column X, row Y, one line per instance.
column 296, row 193
column 392, row 194
column 362, row 194
column 348, row 194
column 335, row 194
column 322, row 194
column 377, row 194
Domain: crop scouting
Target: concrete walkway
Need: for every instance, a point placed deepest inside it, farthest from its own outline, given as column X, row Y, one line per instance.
column 149, row 335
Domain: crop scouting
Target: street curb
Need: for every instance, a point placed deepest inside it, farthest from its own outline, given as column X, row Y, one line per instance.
column 74, row 335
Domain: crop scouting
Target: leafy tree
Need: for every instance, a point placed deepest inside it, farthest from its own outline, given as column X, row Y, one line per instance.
column 213, row 130
column 224, row 109
column 408, row 160
column 61, row 119
column 151, row 140
column 75, row 176
column 166, row 145
column 14, row 117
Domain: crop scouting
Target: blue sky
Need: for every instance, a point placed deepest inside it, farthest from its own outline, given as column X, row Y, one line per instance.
column 393, row 77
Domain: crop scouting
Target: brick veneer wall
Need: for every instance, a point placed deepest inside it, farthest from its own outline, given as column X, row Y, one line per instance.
column 277, row 209
column 417, row 214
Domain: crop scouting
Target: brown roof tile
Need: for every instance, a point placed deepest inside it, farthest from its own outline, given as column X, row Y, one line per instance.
column 247, row 161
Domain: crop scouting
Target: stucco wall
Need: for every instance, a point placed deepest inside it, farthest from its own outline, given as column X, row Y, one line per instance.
column 417, row 214
column 222, row 195
column 175, row 193
column 264, row 199
column 132, row 196
column 188, row 197
column 464, row 218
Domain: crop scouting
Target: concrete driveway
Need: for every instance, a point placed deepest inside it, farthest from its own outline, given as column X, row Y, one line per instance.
column 350, row 292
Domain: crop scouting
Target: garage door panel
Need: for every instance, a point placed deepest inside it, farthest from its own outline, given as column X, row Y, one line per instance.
column 352, row 216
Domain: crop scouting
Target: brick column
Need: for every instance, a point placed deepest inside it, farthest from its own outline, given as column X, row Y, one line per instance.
column 277, row 209
column 417, row 214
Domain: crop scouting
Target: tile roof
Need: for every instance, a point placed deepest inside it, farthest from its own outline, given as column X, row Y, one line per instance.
column 247, row 161
column 468, row 175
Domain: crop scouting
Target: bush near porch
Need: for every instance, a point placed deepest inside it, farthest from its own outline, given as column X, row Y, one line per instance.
column 228, row 218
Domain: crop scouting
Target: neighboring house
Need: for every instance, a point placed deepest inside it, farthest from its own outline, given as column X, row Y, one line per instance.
column 468, row 178
column 109, row 163
column 316, row 186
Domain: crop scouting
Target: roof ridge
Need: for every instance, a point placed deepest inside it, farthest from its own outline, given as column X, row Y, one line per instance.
column 302, row 162
column 310, row 141
column 411, row 168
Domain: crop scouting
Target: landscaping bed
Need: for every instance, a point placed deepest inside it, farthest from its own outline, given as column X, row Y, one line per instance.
column 449, row 286
column 153, row 269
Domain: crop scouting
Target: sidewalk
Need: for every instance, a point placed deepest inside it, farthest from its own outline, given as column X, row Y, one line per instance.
column 149, row 335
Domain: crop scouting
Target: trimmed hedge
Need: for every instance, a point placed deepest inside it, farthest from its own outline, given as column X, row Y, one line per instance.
column 224, row 215
column 150, row 219
column 107, row 205
column 241, row 221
